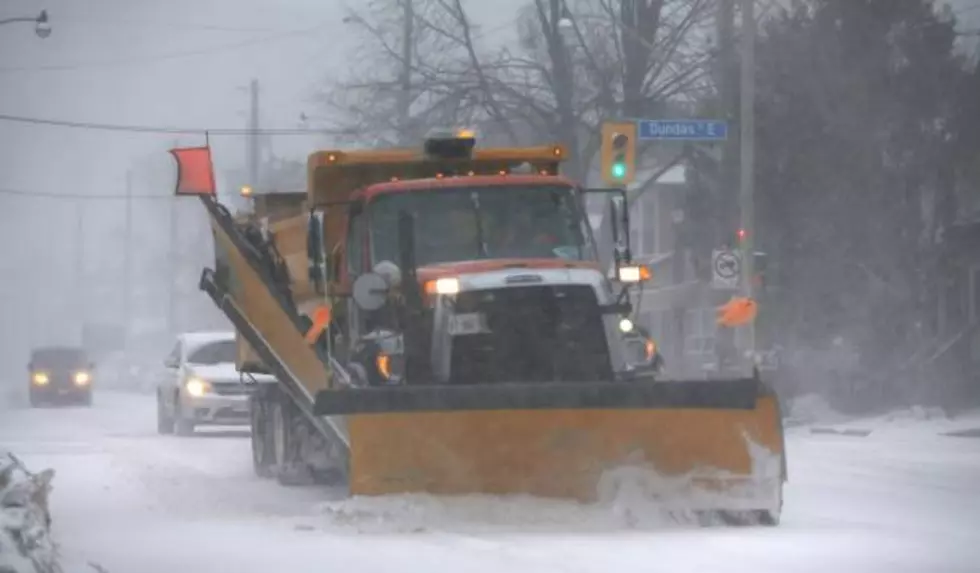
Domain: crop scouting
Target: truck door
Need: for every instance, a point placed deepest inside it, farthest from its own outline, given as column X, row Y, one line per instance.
column 355, row 254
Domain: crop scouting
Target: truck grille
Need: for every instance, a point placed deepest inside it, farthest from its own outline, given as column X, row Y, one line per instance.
column 537, row 334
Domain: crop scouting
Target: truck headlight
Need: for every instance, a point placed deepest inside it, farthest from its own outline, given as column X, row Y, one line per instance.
column 40, row 378
column 633, row 274
column 197, row 387
column 625, row 325
column 445, row 285
column 82, row 378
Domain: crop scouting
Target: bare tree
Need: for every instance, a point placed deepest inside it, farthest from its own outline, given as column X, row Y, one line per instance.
column 587, row 62
column 414, row 73
column 576, row 65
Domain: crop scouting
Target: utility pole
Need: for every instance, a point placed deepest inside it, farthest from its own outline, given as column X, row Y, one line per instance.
column 747, row 179
column 560, row 52
column 172, row 279
column 405, row 94
column 252, row 135
column 724, row 212
column 80, row 285
column 727, row 66
column 128, row 261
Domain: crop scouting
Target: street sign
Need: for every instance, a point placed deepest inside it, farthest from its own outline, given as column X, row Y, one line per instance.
column 726, row 267
column 682, row 129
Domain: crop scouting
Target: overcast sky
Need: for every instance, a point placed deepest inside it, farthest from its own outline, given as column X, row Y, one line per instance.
column 117, row 61
column 180, row 63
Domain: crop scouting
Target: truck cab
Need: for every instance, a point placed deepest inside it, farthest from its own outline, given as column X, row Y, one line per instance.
column 479, row 271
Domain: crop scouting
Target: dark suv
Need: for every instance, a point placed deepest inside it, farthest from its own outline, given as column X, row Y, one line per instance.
column 60, row 373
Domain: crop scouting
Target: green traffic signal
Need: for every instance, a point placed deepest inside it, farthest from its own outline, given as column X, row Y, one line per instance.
column 619, row 170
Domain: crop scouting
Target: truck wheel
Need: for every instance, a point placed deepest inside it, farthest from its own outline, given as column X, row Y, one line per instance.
column 768, row 518
column 165, row 423
column 35, row 400
column 263, row 448
column 288, row 471
column 87, row 399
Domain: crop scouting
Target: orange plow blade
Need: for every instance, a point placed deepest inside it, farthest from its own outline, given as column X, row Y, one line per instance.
column 732, row 454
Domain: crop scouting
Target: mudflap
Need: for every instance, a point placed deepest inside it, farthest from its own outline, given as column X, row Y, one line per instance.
column 713, row 445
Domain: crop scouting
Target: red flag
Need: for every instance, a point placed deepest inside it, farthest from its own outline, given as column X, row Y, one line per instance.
column 195, row 173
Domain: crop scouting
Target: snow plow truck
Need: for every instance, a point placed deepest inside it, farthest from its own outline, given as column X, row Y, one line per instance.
column 437, row 320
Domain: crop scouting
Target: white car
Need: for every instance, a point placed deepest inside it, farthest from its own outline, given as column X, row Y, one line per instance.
column 201, row 385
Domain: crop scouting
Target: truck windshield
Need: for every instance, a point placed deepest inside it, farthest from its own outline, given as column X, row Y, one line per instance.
column 495, row 222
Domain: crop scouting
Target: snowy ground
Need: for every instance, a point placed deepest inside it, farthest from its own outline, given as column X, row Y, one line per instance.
column 904, row 497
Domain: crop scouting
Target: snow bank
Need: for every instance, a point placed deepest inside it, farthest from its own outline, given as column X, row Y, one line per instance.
column 812, row 409
column 909, row 423
column 628, row 498
column 25, row 542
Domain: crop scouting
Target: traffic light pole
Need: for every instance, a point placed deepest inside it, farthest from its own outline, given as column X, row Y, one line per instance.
column 747, row 148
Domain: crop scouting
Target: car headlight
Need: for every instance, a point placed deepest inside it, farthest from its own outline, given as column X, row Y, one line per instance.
column 40, row 378
column 197, row 387
column 82, row 378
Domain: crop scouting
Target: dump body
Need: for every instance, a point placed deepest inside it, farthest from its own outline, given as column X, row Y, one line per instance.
column 449, row 368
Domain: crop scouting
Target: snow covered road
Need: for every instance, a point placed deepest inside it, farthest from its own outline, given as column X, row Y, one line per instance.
column 904, row 498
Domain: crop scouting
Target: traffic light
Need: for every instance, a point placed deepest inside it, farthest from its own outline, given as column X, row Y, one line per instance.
column 618, row 153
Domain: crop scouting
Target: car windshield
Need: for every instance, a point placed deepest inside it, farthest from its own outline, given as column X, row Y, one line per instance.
column 222, row 352
column 496, row 222
column 58, row 357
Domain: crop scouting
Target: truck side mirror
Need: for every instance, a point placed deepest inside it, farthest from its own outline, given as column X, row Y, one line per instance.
column 370, row 291
column 315, row 251
column 620, row 225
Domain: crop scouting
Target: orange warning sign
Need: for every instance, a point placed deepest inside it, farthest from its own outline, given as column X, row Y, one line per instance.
column 321, row 318
column 739, row 311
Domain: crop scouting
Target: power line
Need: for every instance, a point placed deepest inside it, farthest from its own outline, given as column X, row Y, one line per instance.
column 86, row 197
column 160, row 129
column 170, row 56
column 112, row 21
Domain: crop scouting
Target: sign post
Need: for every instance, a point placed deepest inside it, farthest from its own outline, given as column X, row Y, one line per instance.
column 726, row 269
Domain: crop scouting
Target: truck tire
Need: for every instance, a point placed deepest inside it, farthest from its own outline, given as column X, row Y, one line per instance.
column 263, row 448
column 289, row 470
column 165, row 422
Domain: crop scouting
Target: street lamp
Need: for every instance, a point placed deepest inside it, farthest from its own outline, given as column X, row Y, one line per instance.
column 42, row 27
